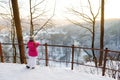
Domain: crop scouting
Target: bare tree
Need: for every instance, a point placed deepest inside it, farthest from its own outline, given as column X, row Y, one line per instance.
column 18, row 30
column 31, row 16
column 91, row 20
column 9, row 16
column 13, row 34
column 33, row 9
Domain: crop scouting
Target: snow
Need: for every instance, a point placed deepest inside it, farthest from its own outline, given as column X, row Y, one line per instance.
column 14, row 71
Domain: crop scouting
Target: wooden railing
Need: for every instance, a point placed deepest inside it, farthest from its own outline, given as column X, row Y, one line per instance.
column 106, row 52
column 1, row 54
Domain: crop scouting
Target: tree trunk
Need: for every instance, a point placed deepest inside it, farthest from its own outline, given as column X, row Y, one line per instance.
column 93, row 41
column 18, row 30
column 102, row 33
column 13, row 31
column 31, row 21
column 13, row 41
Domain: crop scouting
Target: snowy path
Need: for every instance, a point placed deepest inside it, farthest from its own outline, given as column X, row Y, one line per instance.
column 9, row 71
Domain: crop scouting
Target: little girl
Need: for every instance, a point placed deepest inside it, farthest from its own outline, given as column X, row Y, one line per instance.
column 32, row 53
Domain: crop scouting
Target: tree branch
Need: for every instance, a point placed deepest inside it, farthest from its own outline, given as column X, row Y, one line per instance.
column 47, row 20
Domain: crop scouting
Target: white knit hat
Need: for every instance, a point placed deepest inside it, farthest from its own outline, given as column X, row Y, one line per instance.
column 32, row 37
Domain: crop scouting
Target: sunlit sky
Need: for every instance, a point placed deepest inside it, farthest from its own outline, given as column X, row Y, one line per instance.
column 111, row 7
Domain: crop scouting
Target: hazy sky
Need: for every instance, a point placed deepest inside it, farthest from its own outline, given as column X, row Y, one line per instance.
column 111, row 7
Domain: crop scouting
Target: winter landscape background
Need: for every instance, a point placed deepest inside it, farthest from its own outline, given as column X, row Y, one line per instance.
column 68, row 35
column 53, row 21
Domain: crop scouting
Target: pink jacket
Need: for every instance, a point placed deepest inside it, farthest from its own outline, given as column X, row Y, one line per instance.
column 32, row 46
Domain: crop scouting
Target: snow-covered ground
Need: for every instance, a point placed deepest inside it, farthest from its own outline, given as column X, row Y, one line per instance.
column 10, row 71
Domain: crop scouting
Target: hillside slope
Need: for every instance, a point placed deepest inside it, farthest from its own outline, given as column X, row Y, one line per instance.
column 10, row 71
